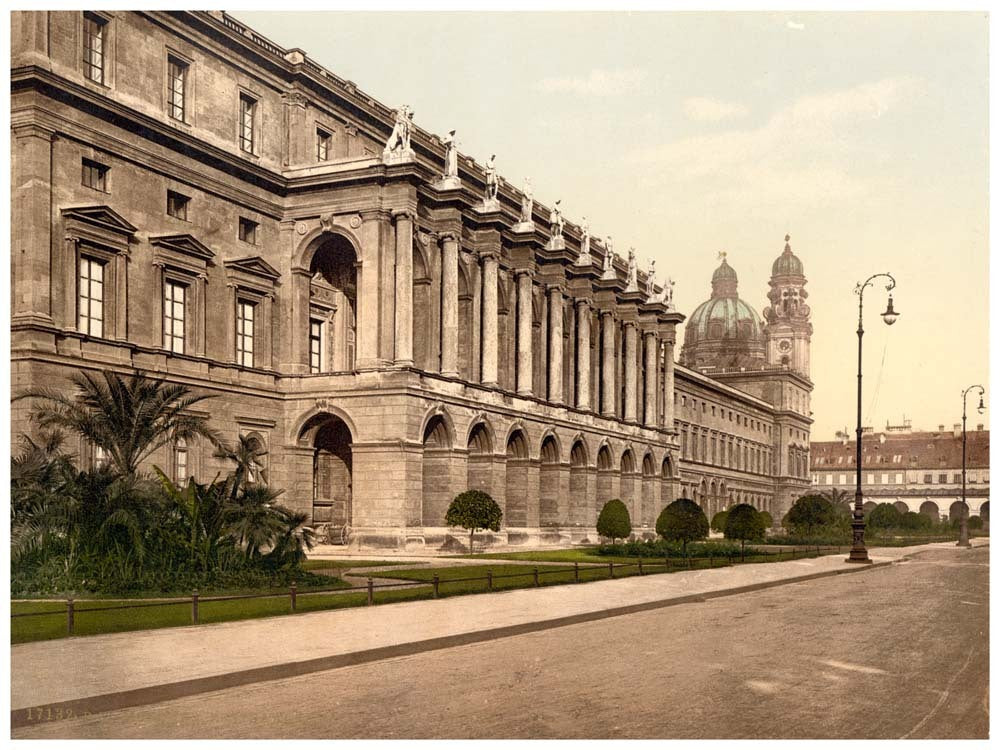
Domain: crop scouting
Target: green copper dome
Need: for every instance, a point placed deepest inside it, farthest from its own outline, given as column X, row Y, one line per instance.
column 723, row 318
column 787, row 264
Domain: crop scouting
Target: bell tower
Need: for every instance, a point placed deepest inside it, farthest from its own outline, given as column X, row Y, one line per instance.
column 788, row 329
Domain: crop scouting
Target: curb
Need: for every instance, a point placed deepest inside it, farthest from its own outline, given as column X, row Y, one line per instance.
column 31, row 715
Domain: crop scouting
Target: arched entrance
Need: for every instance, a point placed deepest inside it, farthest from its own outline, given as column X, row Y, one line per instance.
column 548, row 483
column 332, row 305
column 436, row 472
column 666, row 484
column 869, row 507
column 517, row 480
column 579, row 506
column 605, row 478
column 930, row 509
column 628, row 494
column 957, row 510
column 331, row 441
column 901, row 507
column 984, row 511
column 648, row 487
column 479, row 472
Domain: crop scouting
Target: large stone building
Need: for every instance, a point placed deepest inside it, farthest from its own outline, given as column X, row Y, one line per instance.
column 914, row 470
column 390, row 320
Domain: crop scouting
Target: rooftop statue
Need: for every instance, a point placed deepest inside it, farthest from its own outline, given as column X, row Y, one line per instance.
column 556, row 223
column 527, row 202
column 632, row 284
column 651, row 281
column 399, row 140
column 583, row 259
column 450, row 155
column 492, row 184
column 609, row 259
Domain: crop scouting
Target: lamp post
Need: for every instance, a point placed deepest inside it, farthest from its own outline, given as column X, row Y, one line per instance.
column 859, row 554
column 963, row 526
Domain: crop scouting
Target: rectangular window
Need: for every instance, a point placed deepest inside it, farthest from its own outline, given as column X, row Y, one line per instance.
column 94, row 36
column 177, row 205
column 871, row 478
column 844, row 479
column 245, row 313
column 100, row 457
column 177, row 84
column 248, row 231
column 173, row 316
column 322, row 145
column 885, row 479
column 942, row 479
column 957, row 478
column 928, row 479
column 180, row 461
column 248, row 110
column 95, row 175
column 90, row 319
column 315, row 346
column 899, row 479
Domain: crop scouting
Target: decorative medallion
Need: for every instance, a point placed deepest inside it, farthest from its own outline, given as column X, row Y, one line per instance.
column 355, row 221
column 300, row 227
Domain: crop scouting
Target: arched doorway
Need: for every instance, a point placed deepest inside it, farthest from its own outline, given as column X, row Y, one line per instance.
column 901, row 507
column 331, row 441
column 517, row 480
column 424, row 350
column 436, row 472
column 930, row 509
column 580, row 508
column 869, row 507
column 605, row 478
column 957, row 510
column 666, row 483
column 479, row 472
column 332, row 306
column 465, row 324
column 984, row 511
column 548, row 483
column 628, row 494
column 648, row 488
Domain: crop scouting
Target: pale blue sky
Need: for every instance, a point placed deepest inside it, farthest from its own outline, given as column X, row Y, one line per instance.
column 864, row 135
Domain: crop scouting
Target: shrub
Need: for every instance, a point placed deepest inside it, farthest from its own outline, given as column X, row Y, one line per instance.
column 682, row 521
column 614, row 521
column 744, row 523
column 885, row 516
column 975, row 522
column 911, row 521
column 661, row 548
column 719, row 521
column 808, row 514
column 472, row 510
column 767, row 519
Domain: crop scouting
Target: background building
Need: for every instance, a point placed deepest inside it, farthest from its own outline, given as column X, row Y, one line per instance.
column 918, row 471
column 391, row 321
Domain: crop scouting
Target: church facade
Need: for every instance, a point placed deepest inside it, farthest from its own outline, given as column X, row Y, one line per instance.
column 390, row 320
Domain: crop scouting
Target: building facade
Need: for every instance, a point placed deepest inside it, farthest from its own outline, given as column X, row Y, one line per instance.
column 389, row 319
column 915, row 471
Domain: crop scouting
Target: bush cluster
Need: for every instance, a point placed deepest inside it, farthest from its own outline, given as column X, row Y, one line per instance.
column 662, row 548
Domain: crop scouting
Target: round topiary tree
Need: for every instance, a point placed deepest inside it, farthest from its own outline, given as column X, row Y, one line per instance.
column 885, row 516
column 719, row 521
column 745, row 523
column 767, row 519
column 808, row 515
column 472, row 510
column 614, row 521
column 913, row 521
column 682, row 521
column 975, row 522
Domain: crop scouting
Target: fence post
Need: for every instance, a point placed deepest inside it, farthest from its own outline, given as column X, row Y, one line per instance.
column 689, row 562
column 69, row 616
column 576, row 572
column 666, row 562
column 437, row 582
column 293, row 592
column 611, row 570
column 640, row 567
column 371, row 591
column 711, row 561
column 194, row 606
column 489, row 580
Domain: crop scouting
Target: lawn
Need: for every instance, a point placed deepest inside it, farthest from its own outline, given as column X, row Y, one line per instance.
column 321, row 565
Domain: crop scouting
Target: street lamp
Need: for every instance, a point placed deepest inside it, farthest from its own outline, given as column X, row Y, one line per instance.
column 859, row 554
column 963, row 526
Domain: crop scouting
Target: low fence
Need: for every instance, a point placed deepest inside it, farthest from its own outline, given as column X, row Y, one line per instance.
column 642, row 566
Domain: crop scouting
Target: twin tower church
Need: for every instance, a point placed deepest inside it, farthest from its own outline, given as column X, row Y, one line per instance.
column 392, row 321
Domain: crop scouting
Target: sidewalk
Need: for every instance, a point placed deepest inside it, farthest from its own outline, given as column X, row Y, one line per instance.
column 99, row 673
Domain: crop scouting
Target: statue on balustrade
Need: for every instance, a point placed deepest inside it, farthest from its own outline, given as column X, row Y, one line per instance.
column 527, row 202
column 399, row 140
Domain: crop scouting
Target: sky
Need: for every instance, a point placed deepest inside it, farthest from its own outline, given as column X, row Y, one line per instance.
column 862, row 135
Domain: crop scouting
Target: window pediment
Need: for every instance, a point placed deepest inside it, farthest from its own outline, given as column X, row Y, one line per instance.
column 182, row 250
column 253, row 266
column 99, row 225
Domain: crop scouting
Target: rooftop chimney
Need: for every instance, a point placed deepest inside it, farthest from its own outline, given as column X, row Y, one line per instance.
column 958, row 430
column 940, row 428
column 979, row 428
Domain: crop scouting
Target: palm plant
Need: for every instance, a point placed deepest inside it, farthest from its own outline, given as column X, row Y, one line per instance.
column 255, row 520
column 127, row 417
column 246, row 454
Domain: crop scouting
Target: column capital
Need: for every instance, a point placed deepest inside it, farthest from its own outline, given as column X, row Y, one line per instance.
column 519, row 272
column 449, row 235
column 491, row 254
column 561, row 288
column 404, row 213
column 581, row 302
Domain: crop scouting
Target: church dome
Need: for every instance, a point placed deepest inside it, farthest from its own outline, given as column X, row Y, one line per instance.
column 787, row 264
column 723, row 331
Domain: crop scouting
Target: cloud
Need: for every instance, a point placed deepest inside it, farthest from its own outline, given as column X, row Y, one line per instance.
column 810, row 153
column 597, row 83
column 703, row 109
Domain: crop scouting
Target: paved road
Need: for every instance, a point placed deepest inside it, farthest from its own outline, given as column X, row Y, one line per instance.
column 900, row 651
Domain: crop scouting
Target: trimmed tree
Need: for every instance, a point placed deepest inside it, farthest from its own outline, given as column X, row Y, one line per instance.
column 745, row 523
column 614, row 521
column 719, row 521
column 473, row 510
column 809, row 514
column 885, row 516
column 767, row 519
column 682, row 521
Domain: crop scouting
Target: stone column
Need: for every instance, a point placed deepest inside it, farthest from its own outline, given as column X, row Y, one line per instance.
column 583, row 354
column 608, row 365
column 555, row 344
column 404, row 288
column 524, row 371
column 668, row 384
column 449, row 304
column 489, row 341
column 31, row 214
column 630, row 372
column 652, row 371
